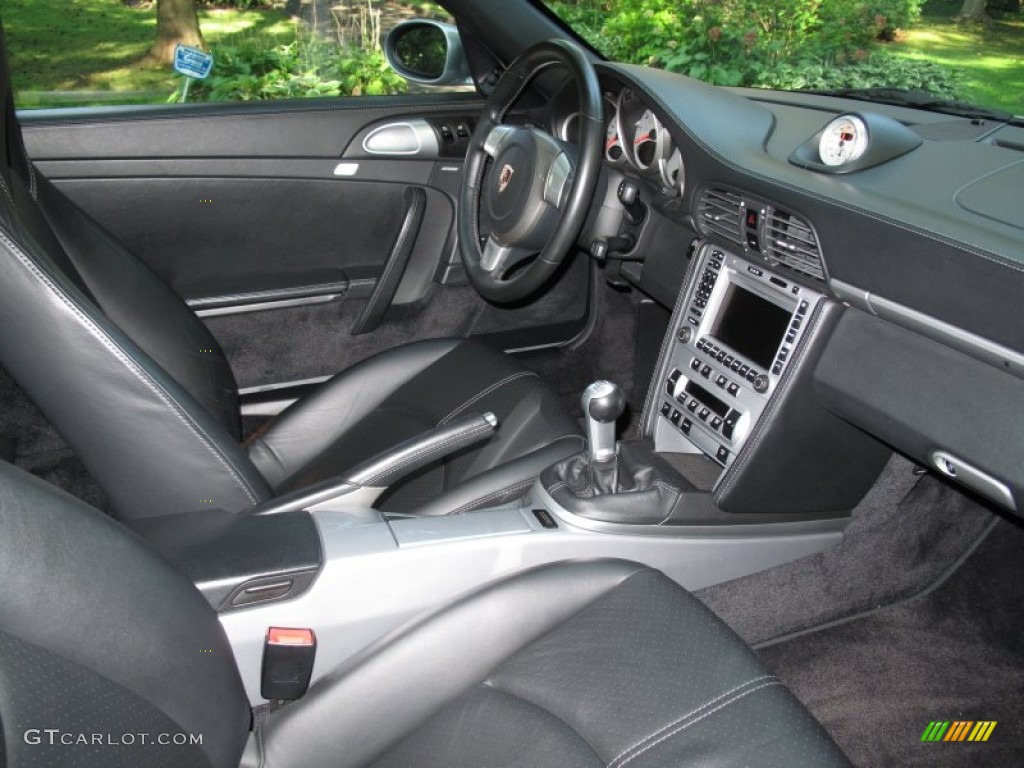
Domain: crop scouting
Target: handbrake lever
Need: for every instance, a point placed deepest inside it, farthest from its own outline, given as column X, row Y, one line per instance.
column 363, row 484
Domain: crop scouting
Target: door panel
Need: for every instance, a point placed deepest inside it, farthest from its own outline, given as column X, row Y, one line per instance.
column 246, row 208
column 216, row 236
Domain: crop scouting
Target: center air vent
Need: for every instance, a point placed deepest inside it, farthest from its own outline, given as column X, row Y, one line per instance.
column 791, row 241
column 721, row 214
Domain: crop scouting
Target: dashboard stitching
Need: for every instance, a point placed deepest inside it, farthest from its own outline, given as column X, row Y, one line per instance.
column 998, row 259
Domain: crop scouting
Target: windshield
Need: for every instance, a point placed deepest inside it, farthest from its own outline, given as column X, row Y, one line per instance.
column 968, row 51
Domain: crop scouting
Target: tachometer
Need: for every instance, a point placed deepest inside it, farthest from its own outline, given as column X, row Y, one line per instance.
column 646, row 140
column 673, row 175
column 843, row 140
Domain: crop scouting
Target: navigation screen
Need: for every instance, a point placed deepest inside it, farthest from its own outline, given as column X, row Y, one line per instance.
column 752, row 326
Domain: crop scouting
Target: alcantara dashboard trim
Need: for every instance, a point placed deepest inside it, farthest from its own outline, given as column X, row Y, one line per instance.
column 978, row 347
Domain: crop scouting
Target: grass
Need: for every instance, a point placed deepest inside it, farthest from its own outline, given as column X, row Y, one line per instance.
column 98, row 48
column 989, row 59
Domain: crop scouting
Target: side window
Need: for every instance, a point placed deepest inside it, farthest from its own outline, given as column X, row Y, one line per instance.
column 105, row 52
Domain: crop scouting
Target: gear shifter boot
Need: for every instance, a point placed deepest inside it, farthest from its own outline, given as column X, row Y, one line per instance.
column 634, row 487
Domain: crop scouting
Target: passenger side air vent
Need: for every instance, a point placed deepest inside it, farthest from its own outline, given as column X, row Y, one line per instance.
column 721, row 214
column 791, row 241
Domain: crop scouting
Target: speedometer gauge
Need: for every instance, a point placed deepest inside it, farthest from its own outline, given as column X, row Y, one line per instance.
column 613, row 150
column 613, row 142
column 843, row 140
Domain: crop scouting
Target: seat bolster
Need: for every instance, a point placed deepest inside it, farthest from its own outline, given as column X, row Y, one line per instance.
column 307, row 428
column 382, row 694
column 153, row 448
column 502, row 483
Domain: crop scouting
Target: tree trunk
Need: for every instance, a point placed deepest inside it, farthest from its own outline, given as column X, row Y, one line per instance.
column 176, row 22
column 973, row 10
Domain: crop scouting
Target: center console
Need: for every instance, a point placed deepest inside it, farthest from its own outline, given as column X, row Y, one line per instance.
column 737, row 468
column 735, row 337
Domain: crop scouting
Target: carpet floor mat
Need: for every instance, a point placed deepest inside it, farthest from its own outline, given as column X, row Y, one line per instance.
column 952, row 654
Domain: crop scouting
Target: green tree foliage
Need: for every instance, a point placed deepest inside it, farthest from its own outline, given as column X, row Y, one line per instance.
column 756, row 42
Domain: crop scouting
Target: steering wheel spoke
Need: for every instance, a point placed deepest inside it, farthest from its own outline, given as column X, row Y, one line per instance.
column 497, row 259
column 496, row 139
column 558, row 181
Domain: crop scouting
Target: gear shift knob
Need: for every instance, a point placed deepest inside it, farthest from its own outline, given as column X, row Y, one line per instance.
column 603, row 403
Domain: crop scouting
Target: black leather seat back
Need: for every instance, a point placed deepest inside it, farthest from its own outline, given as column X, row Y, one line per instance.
column 115, row 360
column 99, row 635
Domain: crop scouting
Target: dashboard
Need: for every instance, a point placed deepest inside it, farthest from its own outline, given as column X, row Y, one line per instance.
column 761, row 202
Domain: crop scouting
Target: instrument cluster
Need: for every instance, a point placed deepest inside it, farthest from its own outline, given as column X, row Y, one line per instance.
column 637, row 139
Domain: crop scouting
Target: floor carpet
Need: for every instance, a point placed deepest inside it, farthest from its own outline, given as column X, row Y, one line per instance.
column 953, row 653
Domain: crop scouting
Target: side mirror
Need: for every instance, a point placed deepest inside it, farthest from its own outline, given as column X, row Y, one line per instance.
column 427, row 52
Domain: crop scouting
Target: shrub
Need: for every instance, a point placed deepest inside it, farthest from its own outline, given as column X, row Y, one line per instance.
column 751, row 42
column 305, row 67
column 878, row 69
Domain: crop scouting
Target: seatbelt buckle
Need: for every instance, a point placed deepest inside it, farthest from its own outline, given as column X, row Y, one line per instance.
column 288, row 656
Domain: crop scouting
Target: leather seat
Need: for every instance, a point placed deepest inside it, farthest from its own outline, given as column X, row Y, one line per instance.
column 141, row 391
column 601, row 663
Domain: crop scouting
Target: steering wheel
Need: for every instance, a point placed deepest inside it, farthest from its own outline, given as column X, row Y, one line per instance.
column 526, row 190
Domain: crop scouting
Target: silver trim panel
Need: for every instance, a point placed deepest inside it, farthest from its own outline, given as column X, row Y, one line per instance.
column 261, row 306
column 378, row 574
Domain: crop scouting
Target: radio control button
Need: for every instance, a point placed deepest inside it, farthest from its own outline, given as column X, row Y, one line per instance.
column 666, row 409
column 802, row 309
column 777, row 369
column 720, row 381
column 692, row 406
column 674, row 418
column 795, row 325
column 716, row 423
column 791, row 337
column 673, row 378
column 744, row 370
column 695, row 364
column 703, row 414
column 706, row 371
column 722, row 454
column 750, row 375
column 685, row 426
column 761, row 383
column 734, row 388
column 735, row 365
column 729, row 360
column 720, row 355
column 783, row 354
column 730, row 423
